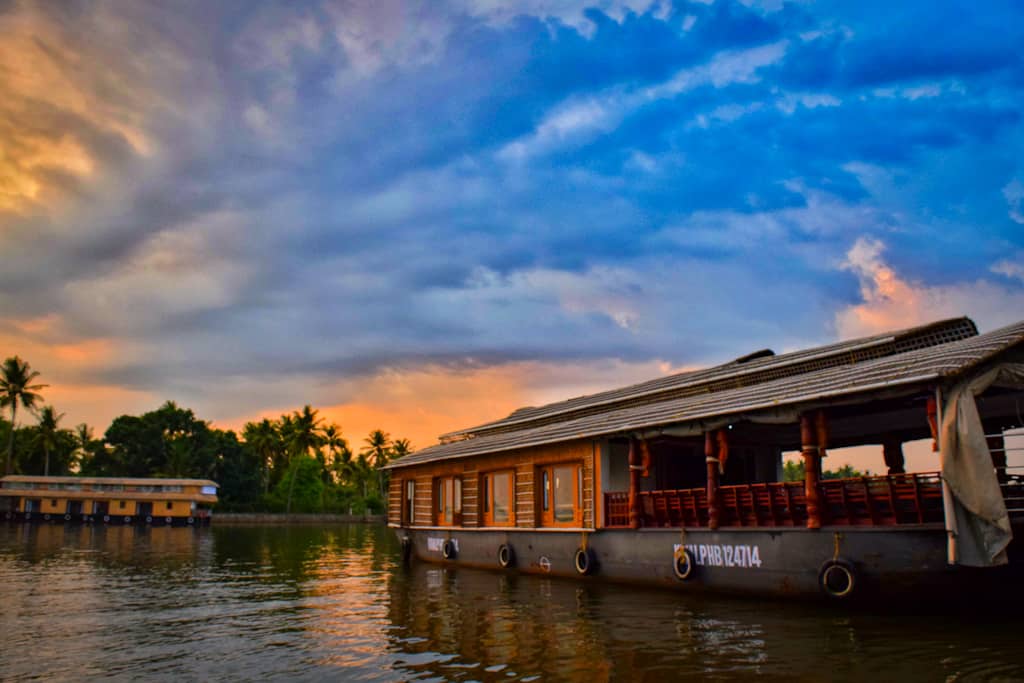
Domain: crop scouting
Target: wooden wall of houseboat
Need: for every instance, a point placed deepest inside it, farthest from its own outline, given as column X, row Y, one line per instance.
column 523, row 462
column 58, row 506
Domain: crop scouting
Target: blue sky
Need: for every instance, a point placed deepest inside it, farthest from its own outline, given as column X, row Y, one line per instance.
column 423, row 215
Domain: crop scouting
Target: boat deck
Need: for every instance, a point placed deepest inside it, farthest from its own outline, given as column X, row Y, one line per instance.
column 883, row 500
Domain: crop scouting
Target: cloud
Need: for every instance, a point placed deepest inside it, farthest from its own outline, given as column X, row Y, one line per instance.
column 1011, row 268
column 251, row 211
column 578, row 14
column 889, row 302
column 1014, row 193
column 575, row 121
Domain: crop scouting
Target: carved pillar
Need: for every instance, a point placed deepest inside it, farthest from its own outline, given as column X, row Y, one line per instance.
column 812, row 465
column 821, row 431
column 634, row 485
column 722, row 440
column 711, row 458
column 892, row 453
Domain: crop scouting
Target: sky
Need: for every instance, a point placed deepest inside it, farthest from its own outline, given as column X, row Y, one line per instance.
column 420, row 216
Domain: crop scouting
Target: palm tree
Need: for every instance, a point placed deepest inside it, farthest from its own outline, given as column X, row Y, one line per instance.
column 83, row 438
column 264, row 439
column 336, row 445
column 84, row 443
column 47, row 434
column 376, row 452
column 304, row 436
column 400, row 448
column 16, row 386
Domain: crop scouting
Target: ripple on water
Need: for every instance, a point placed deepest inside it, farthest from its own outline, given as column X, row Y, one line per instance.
column 333, row 602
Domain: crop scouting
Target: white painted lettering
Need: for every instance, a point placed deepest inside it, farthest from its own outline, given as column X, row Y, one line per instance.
column 710, row 554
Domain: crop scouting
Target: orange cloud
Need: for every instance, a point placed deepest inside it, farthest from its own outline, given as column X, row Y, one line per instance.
column 49, row 68
column 96, row 404
column 421, row 404
column 890, row 302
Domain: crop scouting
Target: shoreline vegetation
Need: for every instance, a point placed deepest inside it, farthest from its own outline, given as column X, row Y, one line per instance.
column 297, row 464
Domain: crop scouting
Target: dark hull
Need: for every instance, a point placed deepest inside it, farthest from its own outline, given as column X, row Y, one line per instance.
column 110, row 520
column 891, row 564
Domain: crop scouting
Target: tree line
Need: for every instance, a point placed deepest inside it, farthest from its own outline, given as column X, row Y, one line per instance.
column 295, row 463
column 793, row 470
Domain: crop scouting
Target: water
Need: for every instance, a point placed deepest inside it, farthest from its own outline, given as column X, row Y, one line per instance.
column 335, row 603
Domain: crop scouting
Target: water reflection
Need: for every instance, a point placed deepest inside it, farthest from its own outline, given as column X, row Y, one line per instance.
column 308, row 603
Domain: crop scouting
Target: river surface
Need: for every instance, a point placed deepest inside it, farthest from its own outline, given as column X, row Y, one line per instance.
column 335, row 603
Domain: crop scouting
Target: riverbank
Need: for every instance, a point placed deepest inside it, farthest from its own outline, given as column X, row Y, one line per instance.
column 229, row 518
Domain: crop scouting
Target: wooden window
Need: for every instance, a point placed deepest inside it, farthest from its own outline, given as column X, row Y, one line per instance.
column 408, row 502
column 448, row 495
column 497, row 493
column 561, row 495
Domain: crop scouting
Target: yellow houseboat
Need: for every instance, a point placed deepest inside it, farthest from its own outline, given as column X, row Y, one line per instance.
column 107, row 500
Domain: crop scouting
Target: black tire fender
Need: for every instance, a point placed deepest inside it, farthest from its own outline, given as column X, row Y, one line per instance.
column 449, row 550
column 506, row 556
column 585, row 562
column 683, row 565
column 838, row 579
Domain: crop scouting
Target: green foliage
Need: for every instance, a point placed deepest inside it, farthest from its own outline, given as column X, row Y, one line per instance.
column 793, row 470
column 302, row 485
column 294, row 462
column 16, row 387
column 844, row 472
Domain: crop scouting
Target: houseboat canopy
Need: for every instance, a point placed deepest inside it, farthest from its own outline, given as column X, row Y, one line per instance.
column 759, row 387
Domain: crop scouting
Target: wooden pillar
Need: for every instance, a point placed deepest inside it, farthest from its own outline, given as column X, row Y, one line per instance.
column 711, row 458
column 722, row 440
column 821, row 431
column 645, row 459
column 997, row 449
column 634, row 485
column 892, row 453
column 812, row 465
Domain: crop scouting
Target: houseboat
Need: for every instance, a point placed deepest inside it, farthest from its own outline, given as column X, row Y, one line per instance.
column 107, row 500
column 678, row 481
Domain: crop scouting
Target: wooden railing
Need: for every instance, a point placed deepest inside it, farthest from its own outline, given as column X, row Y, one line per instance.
column 862, row 501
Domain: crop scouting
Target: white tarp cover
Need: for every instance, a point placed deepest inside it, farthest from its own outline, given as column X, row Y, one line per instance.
column 978, row 518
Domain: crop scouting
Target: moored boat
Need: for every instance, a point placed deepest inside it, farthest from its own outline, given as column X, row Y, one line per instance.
column 107, row 500
column 679, row 481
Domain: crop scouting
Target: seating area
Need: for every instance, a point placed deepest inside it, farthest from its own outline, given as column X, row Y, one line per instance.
column 883, row 500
